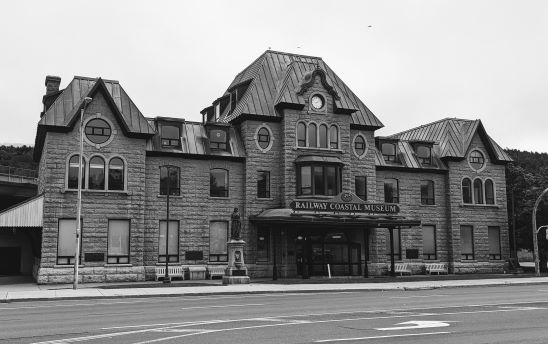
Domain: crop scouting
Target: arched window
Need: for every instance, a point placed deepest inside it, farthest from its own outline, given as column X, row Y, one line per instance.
column 466, row 191
column 333, row 137
column 312, row 135
column 218, row 182
column 359, row 145
column 72, row 178
column 301, row 134
column 116, row 174
column 478, row 191
column 323, row 136
column 96, row 173
column 489, row 192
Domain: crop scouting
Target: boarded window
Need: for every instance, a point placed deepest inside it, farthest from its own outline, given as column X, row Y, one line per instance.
column 429, row 242
column 118, row 242
column 66, row 242
column 467, row 243
column 173, row 242
column 218, row 237
column 494, row 243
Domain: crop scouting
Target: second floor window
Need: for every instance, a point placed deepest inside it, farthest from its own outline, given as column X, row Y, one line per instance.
column 74, row 165
column 489, row 192
column 217, row 139
column 361, row 187
column 391, row 191
column 263, row 184
column 169, row 180
column 96, row 173
column 301, row 134
column 333, row 137
column 359, row 145
column 466, row 191
column 427, row 192
column 171, row 136
column 478, row 191
column 218, row 182
column 318, row 180
column 116, row 174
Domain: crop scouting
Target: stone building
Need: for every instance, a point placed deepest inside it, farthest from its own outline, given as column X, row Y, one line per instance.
column 290, row 146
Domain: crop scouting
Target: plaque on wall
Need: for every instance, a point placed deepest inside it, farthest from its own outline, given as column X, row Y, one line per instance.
column 412, row 253
column 94, row 257
column 194, row 255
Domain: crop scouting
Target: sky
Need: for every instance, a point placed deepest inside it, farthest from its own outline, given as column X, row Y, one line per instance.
column 410, row 62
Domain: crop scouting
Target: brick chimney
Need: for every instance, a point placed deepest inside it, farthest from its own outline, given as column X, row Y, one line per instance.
column 52, row 84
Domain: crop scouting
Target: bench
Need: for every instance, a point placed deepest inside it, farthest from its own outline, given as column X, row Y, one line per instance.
column 436, row 267
column 175, row 271
column 401, row 268
column 216, row 270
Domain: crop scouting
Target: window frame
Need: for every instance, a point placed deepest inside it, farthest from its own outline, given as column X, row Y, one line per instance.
column 70, row 259
column 84, row 164
column 359, row 193
column 430, row 186
column 266, row 235
column 476, row 159
column 99, row 129
column 218, row 145
column 119, row 259
column 261, row 138
column 424, row 160
column 467, row 256
column 312, row 135
column 124, row 185
column 171, row 142
column 312, row 166
column 225, row 189
column 390, row 158
column 302, row 141
column 466, row 187
column 492, row 199
column 355, row 144
column 397, row 241
column 219, row 257
column 172, row 258
column 477, row 195
column 173, row 191
column 336, row 141
column 430, row 256
column 266, row 193
column 494, row 255
column 104, row 181
column 397, row 197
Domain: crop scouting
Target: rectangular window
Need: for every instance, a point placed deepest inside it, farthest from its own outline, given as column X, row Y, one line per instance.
column 263, row 244
column 218, row 139
column 169, row 180
column 427, row 192
column 263, row 184
column 494, row 243
column 118, row 242
column 171, row 136
column 173, row 242
column 429, row 242
column 318, row 180
column 66, row 242
column 361, row 187
column 218, row 237
column 391, row 191
column 388, row 151
column 218, row 182
column 397, row 244
column 467, row 243
column 424, row 154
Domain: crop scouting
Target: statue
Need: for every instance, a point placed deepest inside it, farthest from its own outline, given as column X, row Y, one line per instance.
column 236, row 225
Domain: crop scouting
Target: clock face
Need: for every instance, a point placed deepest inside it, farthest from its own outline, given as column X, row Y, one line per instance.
column 317, row 102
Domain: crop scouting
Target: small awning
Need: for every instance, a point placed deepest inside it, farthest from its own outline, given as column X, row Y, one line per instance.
column 26, row 214
column 286, row 215
column 318, row 159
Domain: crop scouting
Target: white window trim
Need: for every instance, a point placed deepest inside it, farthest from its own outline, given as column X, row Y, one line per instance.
column 67, row 168
column 256, row 137
column 354, row 147
column 112, row 130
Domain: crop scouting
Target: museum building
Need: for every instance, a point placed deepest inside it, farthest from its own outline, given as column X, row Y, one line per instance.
column 294, row 150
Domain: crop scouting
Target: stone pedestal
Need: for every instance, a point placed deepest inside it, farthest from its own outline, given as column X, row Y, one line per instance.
column 236, row 273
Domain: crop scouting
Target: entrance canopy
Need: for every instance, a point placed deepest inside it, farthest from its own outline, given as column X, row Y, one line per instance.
column 286, row 215
column 26, row 214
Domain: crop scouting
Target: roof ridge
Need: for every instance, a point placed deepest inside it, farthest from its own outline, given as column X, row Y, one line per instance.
column 428, row 124
column 95, row 79
column 291, row 54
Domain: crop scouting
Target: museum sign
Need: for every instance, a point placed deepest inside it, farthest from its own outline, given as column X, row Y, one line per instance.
column 344, row 203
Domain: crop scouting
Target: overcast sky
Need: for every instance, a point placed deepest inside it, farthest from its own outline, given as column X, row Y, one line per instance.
column 411, row 62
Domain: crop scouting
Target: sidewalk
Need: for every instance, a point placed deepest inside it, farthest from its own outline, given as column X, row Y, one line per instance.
column 32, row 291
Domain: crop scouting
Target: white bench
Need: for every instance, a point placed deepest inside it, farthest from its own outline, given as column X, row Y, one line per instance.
column 175, row 271
column 197, row 272
column 436, row 267
column 216, row 270
column 400, row 268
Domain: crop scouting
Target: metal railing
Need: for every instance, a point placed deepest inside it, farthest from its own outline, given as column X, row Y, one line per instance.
column 18, row 175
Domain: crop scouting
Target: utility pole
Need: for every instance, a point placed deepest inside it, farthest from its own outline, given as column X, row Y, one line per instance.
column 535, row 232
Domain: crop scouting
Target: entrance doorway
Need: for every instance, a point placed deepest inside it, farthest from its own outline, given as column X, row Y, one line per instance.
column 321, row 254
column 10, row 260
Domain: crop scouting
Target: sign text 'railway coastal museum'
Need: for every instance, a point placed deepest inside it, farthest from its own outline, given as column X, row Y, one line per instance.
column 291, row 150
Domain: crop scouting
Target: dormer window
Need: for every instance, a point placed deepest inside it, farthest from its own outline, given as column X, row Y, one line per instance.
column 424, row 154
column 218, row 139
column 388, row 150
column 170, row 136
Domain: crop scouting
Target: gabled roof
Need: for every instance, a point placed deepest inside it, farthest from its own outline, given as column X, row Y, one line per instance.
column 63, row 113
column 453, row 137
column 275, row 78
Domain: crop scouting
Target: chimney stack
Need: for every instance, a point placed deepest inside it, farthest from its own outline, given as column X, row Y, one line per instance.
column 52, row 84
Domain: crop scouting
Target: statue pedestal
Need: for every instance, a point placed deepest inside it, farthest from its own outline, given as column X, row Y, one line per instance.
column 236, row 273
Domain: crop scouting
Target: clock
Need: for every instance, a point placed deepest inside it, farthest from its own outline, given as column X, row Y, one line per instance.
column 317, row 102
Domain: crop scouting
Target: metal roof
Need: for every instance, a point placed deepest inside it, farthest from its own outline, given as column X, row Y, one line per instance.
column 274, row 79
column 26, row 214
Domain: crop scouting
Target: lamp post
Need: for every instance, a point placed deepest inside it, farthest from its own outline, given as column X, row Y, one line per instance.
column 167, row 279
column 87, row 100
column 535, row 232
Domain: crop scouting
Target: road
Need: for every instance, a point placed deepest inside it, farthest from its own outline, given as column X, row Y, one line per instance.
column 511, row 314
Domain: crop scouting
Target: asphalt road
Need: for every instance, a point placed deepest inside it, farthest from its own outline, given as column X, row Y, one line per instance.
column 513, row 314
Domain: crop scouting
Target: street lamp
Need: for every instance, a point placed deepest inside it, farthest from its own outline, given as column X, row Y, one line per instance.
column 535, row 232
column 87, row 100
column 167, row 279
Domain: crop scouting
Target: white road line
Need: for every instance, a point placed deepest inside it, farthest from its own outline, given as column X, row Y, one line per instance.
column 416, row 296
column 226, row 306
column 379, row 337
